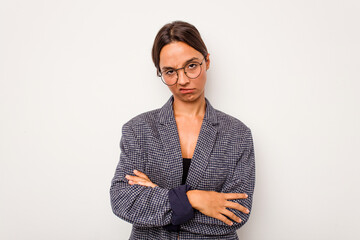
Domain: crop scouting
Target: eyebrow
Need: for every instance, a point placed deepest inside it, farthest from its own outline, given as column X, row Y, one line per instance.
column 187, row 61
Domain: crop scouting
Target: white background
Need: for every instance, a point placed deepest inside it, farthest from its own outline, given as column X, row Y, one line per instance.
column 73, row 72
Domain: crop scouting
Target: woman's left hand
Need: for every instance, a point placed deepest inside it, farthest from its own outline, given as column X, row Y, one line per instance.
column 140, row 179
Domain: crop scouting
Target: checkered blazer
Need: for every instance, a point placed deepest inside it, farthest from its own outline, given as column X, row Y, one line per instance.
column 223, row 161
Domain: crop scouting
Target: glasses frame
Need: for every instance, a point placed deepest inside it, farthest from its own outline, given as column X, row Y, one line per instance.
column 177, row 74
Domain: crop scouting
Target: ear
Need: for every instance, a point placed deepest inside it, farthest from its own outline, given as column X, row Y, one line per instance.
column 207, row 61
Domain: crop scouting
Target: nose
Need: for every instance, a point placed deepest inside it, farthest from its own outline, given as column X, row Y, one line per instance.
column 182, row 78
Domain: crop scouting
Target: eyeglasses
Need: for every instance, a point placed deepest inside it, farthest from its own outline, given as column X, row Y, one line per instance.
column 192, row 70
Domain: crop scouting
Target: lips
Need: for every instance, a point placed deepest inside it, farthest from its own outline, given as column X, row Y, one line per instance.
column 187, row 90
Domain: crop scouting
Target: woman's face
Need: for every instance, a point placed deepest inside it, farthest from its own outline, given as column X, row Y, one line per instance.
column 177, row 54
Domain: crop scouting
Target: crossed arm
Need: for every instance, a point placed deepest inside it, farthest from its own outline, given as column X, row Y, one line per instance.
column 210, row 203
column 219, row 212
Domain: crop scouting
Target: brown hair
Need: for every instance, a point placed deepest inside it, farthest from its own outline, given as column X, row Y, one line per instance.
column 177, row 31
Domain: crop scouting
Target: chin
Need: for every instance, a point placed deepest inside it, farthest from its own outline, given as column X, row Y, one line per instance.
column 188, row 97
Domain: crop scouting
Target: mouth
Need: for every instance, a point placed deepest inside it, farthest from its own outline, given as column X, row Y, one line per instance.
column 187, row 90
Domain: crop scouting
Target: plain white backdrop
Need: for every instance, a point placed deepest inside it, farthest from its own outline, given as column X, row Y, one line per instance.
column 73, row 72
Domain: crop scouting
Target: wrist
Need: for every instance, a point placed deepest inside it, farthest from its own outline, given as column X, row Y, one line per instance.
column 180, row 205
column 193, row 196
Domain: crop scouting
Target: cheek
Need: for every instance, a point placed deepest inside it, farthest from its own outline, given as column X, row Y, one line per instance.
column 202, row 79
column 172, row 88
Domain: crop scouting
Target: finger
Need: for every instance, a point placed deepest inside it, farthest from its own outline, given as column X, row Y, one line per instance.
column 224, row 219
column 233, row 196
column 231, row 215
column 135, row 178
column 131, row 182
column 140, row 174
column 237, row 206
column 142, row 183
column 139, row 181
column 147, row 184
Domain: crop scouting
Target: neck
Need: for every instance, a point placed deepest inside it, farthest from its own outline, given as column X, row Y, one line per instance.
column 190, row 109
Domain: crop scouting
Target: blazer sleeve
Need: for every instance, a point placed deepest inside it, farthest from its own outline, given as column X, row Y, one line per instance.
column 139, row 205
column 242, row 180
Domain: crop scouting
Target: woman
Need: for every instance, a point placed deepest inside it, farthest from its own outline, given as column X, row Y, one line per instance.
column 186, row 170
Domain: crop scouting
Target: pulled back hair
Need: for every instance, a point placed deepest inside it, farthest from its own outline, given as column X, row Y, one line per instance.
column 177, row 31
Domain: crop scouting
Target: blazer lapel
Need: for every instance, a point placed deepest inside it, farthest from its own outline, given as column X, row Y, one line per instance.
column 204, row 146
column 170, row 140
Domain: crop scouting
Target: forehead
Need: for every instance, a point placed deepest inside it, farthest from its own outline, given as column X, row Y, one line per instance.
column 175, row 54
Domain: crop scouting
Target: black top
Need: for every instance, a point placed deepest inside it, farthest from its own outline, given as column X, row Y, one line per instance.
column 186, row 166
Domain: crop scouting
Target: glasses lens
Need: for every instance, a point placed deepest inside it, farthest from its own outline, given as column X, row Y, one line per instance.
column 169, row 77
column 193, row 70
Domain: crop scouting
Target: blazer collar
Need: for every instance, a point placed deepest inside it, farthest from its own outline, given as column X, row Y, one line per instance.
column 166, row 114
column 204, row 146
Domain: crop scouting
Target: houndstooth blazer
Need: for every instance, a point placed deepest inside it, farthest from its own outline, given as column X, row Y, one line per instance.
column 223, row 161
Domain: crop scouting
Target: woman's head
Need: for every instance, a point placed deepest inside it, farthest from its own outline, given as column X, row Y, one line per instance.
column 181, row 59
column 177, row 31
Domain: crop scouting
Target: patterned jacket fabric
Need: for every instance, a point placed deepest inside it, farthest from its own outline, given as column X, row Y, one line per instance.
column 223, row 161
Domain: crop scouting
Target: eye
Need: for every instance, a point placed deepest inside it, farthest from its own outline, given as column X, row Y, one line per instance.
column 192, row 66
column 170, row 72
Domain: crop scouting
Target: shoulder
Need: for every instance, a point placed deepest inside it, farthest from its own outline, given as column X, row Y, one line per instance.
column 224, row 121
column 143, row 120
column 233, row 128
column 229, row 122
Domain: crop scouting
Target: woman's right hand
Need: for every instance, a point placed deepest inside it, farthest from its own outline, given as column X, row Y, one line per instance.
column 214, row 204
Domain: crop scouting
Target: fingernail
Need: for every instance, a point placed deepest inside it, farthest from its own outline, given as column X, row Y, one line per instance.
column 239, row 220
column 126, row 176
column 135, row 171
column 231, row 223
column 246, row 195
column 247, row 211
